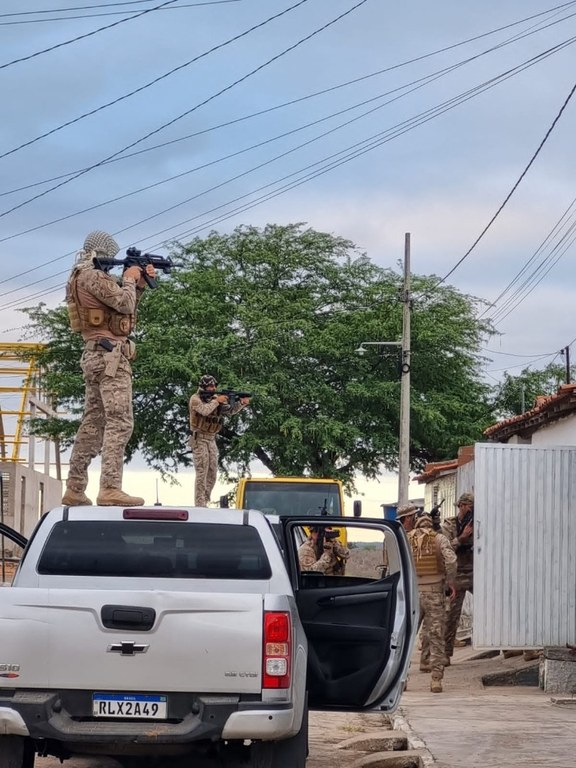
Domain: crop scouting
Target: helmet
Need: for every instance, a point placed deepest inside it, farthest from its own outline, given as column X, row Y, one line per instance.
column 101, row 242
column 207, row 381
column 406, row 510
column 424, row 521
column 465, row 498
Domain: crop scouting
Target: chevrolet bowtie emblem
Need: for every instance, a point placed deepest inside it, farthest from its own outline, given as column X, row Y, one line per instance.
column 127, row 648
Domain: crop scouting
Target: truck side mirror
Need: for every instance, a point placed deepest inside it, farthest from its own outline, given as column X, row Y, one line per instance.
column 357, row 508
column 224, row 501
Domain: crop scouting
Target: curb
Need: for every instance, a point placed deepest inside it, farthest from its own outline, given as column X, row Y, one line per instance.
column 399, row 722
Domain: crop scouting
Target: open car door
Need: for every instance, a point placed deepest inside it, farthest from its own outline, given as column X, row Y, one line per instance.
column 358, row 605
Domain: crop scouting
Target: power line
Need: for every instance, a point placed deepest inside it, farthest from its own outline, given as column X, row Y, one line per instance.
column 519, row 36
column 148, row 84
column 197, row 106
column 514, row 188
column 353, row 151
column 532, row 258
column 111, row 13
column 417, row 83
column 537, row 275
column 83, row 37
column 76, row 8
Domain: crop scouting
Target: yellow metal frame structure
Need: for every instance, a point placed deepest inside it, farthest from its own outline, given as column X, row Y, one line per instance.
column 18, row 359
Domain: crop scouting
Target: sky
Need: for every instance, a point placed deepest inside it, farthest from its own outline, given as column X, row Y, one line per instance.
column 159, row 121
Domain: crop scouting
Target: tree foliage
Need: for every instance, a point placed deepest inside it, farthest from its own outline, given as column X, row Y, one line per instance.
column 280, row 311
column 517, row 394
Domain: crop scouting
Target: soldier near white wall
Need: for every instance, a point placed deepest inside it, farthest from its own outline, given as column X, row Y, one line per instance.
column 207, row 410
column 435, row 563
column 104, row 312
column 459, row 531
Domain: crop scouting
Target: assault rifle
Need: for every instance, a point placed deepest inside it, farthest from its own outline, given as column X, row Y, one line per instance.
column 324, row 535
column 135, row 258
column 233, row 395
column 435, row 515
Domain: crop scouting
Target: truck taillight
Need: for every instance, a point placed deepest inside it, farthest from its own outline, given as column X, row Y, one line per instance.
column 277, row 649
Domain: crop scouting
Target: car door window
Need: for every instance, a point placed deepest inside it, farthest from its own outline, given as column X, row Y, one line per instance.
column 348, row 598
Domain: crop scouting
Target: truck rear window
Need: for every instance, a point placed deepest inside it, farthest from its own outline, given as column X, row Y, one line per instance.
column 143, row 548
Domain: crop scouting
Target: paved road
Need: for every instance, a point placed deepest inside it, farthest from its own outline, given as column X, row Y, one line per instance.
column 326, row 731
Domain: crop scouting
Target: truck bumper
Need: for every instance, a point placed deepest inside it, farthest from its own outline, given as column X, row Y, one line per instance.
column 12, row 723
column 66, row 717
column 266, row 724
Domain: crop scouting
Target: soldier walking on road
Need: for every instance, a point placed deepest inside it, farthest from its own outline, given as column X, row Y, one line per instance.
column 435, row 563
column 207, row 410
column 104, row 312
column 459, row 532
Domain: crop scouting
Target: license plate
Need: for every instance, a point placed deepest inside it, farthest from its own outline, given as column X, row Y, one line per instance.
column 130, row 705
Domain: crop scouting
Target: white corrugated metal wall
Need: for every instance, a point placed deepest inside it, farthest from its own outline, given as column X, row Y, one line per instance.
column 525, row 546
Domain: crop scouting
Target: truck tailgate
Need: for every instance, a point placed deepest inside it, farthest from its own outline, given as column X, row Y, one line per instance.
column 200, row 641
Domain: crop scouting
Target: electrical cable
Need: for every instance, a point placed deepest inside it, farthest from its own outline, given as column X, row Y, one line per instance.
column 150, row 83
column 360, row 148
column 83, row 37
column 355, row 150
column 111, row 13
column 520, row 36
column 514, row 188
column 85, row 8
column 417, row 83
column 525, row 285
column 197, row 106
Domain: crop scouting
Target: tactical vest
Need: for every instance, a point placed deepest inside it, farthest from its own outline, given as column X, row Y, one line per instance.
column 88, row 319
column 208, row 424
column 426, row 553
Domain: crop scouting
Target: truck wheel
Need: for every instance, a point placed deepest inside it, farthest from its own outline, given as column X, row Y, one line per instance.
column 288, row 753
column 16, row 752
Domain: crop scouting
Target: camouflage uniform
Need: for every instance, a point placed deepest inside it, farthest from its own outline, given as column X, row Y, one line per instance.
column 452, row 528
column 434, row 549
column 203, row 442
column 107, row 422
column 329, row 562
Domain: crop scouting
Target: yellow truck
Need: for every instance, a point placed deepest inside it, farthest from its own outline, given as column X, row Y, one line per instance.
column 292, row 496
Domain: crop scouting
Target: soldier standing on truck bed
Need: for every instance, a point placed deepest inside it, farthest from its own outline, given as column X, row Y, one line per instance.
column 207, row 410
column 104, row 312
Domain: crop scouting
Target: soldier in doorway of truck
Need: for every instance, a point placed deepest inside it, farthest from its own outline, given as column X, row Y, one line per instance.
column 103, row 310
column 459, row 531
column 323, row 553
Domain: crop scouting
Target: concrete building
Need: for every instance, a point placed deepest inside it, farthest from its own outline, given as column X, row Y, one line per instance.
column 30, row 472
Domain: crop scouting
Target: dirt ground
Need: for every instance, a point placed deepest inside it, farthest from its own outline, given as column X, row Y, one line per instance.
column 327, row 729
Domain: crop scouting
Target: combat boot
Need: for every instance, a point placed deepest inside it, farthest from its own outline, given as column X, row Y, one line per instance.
column 74, row 498
column 436, row 686
column 425, row 668
column 115, row 497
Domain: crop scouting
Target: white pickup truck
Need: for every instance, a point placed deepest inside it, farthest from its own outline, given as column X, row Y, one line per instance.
column 158, row 632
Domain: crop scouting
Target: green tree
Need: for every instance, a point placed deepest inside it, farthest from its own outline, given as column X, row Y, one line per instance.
column 516, row 394
column 280, row 311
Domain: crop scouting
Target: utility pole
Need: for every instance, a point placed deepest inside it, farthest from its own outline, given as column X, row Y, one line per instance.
column 565, row 352
column 404, row 452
